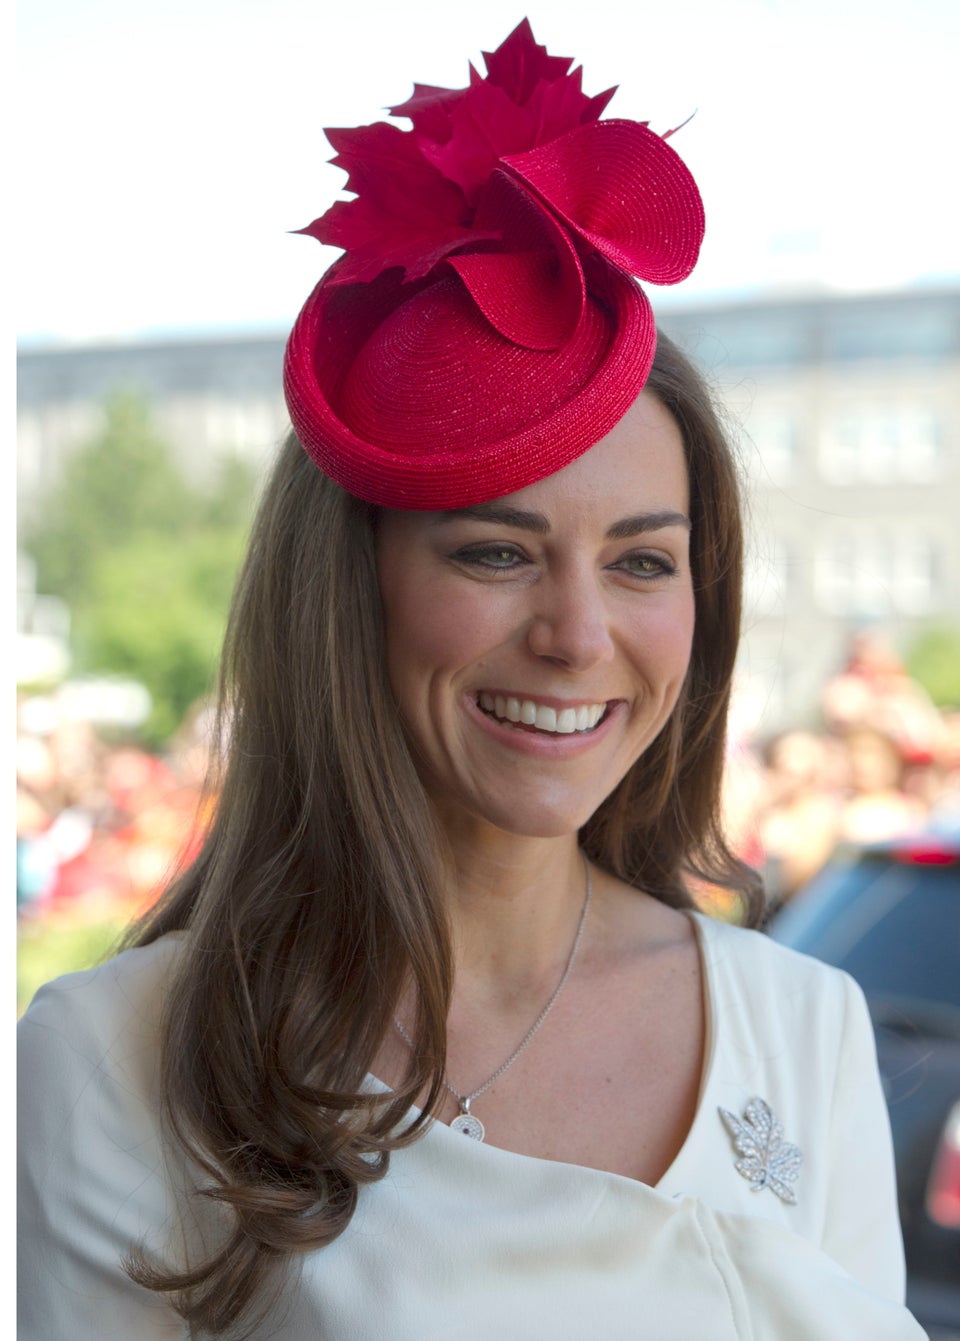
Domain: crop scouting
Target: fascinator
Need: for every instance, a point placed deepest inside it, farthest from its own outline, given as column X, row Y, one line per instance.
column 484, row 326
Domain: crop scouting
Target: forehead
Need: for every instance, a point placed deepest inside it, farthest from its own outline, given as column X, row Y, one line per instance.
column 641, row 461
column 638, row 468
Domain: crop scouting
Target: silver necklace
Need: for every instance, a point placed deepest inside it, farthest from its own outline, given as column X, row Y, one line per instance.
column 465, row 1122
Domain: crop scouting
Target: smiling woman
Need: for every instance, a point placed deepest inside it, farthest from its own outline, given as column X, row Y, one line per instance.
column 474, row 694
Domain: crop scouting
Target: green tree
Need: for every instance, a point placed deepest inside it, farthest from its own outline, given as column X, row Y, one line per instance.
column 121, row 484
column 934, row 660
column 145, row 560
column 156, row 611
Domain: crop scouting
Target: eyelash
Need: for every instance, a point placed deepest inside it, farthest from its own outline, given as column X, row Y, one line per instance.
column 663, row 566
column 483, row 556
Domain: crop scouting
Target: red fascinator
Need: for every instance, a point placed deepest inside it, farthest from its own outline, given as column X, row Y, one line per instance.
column 484, row 328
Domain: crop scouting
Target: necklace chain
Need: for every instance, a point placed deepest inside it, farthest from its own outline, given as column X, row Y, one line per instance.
column 465, row 1100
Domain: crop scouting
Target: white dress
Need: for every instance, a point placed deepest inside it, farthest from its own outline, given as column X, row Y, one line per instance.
column 469, row 1241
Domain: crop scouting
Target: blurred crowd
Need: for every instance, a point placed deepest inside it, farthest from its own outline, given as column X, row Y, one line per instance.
column 101, row 827
column 883, row 763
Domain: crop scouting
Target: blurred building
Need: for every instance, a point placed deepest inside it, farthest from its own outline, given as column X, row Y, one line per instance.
column 848, row 413
column 209, row 397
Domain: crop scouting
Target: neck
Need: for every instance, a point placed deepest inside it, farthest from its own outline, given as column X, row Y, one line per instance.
column 514, row 908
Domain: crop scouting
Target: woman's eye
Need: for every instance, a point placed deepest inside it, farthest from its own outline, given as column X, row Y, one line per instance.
column 647, row 565
column 498, row 557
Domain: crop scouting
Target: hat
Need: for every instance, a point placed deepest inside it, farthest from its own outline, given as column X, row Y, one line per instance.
column 484, row 328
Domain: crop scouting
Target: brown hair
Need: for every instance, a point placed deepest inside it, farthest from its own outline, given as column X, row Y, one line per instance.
column 318, row 892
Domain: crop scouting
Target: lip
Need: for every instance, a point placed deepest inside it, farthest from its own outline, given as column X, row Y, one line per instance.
column 543, row 744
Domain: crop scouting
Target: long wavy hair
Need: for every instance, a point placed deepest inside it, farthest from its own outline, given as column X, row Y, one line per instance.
column 318, row 894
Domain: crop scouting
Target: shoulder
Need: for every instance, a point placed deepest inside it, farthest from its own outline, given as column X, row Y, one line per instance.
column 93, row 1165
column 106, row 1017
column 796, row 1033
column 744, row 964
column 787, row 1027
column 133, row 978
column 792, row 1023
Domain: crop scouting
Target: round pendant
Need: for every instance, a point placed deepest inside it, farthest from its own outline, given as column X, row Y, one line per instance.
column 467, row 1125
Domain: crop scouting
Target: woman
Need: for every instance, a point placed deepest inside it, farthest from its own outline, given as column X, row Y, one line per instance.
column 429, row 1040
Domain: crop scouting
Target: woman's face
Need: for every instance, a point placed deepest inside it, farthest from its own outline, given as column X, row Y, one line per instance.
column 537, row 644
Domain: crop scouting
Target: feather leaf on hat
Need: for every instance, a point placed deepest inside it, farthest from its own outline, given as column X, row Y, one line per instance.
column 418, row 191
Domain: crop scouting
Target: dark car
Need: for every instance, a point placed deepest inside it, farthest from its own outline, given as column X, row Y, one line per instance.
column 889, row 914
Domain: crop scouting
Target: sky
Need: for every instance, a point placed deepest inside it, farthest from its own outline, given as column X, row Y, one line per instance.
column 168, row 149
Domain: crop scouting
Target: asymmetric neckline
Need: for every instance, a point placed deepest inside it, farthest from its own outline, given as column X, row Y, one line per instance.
column 441, row 1131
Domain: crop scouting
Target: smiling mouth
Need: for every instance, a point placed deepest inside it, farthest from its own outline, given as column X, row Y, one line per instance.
column 528, row 715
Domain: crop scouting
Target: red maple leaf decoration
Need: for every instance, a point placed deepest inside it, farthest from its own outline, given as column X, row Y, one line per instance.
column 406, row 212
column 437, row 194
column 418, row 191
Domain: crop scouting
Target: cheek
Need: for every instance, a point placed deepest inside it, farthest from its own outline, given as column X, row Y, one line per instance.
column 662, row 650
column 429, row 635
column 669, row 632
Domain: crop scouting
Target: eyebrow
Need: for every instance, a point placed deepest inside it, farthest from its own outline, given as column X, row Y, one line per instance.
column 504, row 515
column 647, row 521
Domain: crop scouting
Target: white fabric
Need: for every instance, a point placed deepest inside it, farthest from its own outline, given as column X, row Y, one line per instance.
column 468, row 1241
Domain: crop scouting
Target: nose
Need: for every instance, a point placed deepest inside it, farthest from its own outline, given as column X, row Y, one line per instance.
column 570, row 624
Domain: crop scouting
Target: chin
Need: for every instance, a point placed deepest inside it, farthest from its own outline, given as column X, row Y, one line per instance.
column 522, row 819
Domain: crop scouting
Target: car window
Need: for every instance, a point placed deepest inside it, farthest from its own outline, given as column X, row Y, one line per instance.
column 894, row 926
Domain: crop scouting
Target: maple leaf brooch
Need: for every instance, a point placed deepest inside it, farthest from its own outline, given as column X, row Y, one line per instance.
column 766, row 1159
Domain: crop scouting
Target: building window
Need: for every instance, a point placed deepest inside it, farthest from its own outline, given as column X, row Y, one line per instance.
column 760, row 339
column 774, row 437
column 882, row 444
column 873, row 570
column 900, row 331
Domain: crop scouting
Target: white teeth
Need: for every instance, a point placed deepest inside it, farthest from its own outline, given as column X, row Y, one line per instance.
column 528, row 713
column 546, row 718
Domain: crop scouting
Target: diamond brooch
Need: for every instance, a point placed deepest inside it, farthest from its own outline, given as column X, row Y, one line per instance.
column 766, row 1159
